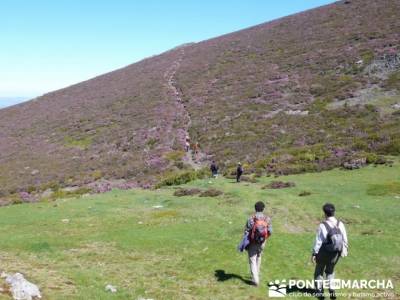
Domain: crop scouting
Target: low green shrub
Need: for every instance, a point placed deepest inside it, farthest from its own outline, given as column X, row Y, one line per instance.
column 393, row 81
column 182, row 177
column 174, row 156
column 371, row 158
column 390, row 148
column 64, row 194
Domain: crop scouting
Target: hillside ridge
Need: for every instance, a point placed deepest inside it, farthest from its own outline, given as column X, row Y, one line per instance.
column 304, row 93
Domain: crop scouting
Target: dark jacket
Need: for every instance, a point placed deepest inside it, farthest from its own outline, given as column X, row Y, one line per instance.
column 214, row 168
column 239, row 170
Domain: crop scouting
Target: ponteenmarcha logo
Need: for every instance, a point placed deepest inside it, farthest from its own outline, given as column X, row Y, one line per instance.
column 277, row 289
column 307, row 288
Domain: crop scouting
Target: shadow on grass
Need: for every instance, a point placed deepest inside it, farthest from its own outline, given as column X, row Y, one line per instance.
column 221, row 275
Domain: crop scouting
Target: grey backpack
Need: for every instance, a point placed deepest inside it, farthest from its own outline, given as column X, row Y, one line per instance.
column 334, row 239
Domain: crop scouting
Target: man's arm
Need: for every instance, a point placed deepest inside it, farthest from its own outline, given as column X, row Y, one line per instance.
column 345, row 241
column 269, row 228
column 319, row 239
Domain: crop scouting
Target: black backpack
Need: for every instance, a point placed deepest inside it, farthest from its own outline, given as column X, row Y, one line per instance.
column 334, row 239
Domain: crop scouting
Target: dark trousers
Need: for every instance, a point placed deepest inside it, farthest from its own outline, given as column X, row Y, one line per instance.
column 325, row 263
column 238, row 177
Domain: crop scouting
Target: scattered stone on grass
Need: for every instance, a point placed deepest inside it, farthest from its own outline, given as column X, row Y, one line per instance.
column 279, row 185
column 356, row 206
column 70, row 189
column 22, row 289
column 47, row 193
column 381, row 160
column 304, row 193
column 186, row 192
column 157, row 206
column 65, row 221
column 211, row 193
column 110, row 288
column 34, row 172
column 396, row 106
column 355, row 164
column 297, row 112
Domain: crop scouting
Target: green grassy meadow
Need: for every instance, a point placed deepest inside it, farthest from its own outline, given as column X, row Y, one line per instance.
column 175, row 252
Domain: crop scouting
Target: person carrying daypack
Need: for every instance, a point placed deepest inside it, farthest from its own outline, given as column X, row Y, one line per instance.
column 258, row 229
column 330, row 244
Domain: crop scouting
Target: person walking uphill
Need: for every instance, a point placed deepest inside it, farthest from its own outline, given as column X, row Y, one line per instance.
column 239, row 172
column 258, row 229
column 330, row 244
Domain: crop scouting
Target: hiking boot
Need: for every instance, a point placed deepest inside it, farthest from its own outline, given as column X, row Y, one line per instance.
column 254, row 284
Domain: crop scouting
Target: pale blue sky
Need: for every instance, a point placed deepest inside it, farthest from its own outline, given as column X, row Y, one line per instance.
column 50, row 44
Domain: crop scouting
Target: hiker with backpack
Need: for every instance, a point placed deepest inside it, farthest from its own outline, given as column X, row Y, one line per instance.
column 257, row 230
column 330, row 244
column 214, row 169
column 239, row 172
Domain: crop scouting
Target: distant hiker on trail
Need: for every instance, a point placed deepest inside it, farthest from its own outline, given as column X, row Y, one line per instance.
column 257, row 230
column 214, row 169
column 330, row 243
column 187, row 143
column 196, row 148
column 239, row 172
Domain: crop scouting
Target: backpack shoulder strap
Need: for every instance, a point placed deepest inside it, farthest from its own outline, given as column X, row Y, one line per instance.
column 338, row 225
column 327, row 227
column 253, row 228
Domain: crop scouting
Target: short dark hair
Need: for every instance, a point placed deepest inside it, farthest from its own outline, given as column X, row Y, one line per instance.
column 259, row 206
column 329, row 209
